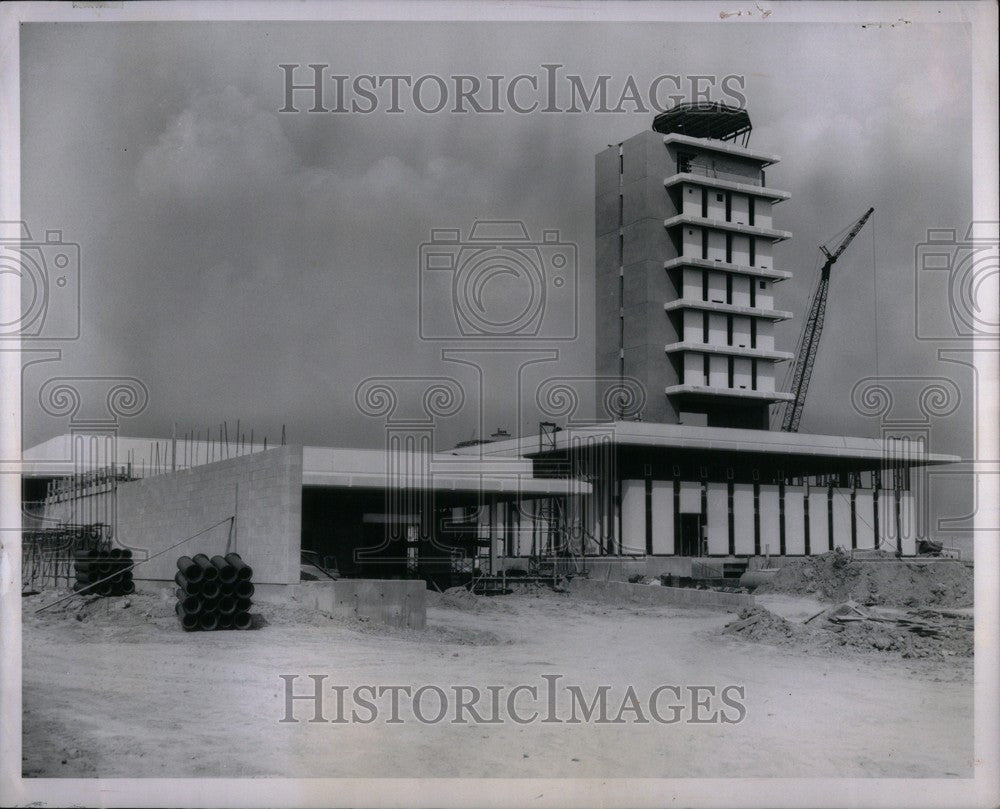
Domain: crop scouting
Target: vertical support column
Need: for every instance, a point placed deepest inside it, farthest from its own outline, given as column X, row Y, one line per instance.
column 756, row 519
column 781, row 514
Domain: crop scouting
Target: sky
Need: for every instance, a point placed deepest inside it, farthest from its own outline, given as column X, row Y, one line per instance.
column 256, row 265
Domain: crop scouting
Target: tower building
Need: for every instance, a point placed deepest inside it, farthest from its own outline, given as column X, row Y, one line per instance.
column 685, row 270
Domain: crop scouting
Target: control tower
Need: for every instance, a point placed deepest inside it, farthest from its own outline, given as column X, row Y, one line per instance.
column 685, row 269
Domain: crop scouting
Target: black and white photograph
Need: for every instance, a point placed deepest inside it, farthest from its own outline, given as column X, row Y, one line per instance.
column 499, row 404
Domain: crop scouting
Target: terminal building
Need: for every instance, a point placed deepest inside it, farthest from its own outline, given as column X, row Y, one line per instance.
column 678, row 472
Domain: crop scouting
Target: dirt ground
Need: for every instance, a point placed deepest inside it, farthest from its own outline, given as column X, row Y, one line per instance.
column 125, row 693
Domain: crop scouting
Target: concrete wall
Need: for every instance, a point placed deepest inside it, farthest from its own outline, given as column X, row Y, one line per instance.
column 396, row 602
column 658, row 595
column 264, row 490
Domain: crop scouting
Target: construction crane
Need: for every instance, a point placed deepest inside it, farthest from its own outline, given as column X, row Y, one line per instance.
column 805, row 355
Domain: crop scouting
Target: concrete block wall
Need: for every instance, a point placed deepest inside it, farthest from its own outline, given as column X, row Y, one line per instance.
column 263, row 489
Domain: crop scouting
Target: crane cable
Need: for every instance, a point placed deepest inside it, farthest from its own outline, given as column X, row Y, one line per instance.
column 875, row 297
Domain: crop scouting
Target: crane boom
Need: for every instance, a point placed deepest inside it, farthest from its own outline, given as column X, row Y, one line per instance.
column 805, row 356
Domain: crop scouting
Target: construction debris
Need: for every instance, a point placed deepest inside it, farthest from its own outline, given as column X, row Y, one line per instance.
column 911, row 633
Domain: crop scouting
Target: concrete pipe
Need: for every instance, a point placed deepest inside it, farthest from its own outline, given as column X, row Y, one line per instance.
column 244, row 589
column 192, row 588
column 225, row 622
column 191, row 571
column 209, row 589
column 128, row 588
column 190, row 604
column 227, row 606
column 103, row 589
column 208, row 621
column 126, row 554
column 227, row 589
column 243, row 571
column 115, row 553
column 227, row 573
column 242, row 620
column 209, row 572
column 105, row 568
column 209, row 605
column 188, row 622
column 243, row 604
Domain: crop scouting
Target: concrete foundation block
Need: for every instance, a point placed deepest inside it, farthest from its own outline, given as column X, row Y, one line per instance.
column 395, row 602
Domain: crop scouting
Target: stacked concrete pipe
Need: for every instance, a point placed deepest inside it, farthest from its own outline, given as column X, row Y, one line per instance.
column 213, row 593
column 104, row 572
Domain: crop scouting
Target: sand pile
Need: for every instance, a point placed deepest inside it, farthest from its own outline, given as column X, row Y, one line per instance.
column 878, row 579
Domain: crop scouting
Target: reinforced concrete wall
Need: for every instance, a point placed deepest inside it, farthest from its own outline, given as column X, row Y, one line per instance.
column 263, row 490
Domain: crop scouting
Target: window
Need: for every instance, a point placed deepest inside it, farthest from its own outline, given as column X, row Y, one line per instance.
column 752, row 206
column 719, row 197
column 704, row 203
column 704, row 285
column 705, row 367
column 753, row 336
column 729, row 289
column 731, row 363
column 753, row 294
column 763, row 284
column 704, row 244
column 753, row 251
column 729, row 248
column 729, row 330
column 753, row 374
column 704, row 328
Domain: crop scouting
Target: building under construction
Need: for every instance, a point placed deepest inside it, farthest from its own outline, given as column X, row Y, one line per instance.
column 678, row 473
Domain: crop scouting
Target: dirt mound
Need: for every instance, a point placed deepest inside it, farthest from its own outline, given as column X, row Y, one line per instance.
column 877, row 579
column 763, row 626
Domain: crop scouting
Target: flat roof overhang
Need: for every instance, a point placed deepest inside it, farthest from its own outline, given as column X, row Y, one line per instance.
column 682, row 437
column 438, row 472
column 721, row 147
column 707, row 264
column 720, row 224
column 735, row 351
column 710, row 394
column 750, row 189
column 680, row 304
column 528, row 487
